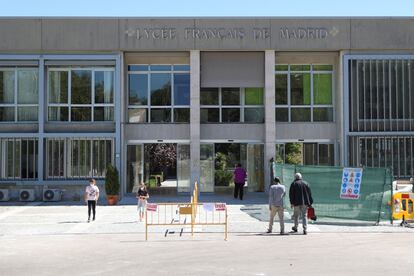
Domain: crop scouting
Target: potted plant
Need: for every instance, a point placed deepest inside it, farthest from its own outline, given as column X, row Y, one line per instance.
column 112, row 185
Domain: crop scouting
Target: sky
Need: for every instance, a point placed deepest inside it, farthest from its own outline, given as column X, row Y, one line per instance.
column 194, row 8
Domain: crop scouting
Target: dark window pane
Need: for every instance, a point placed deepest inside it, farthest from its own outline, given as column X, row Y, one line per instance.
column 81, row 86
column 6, row 114
column 253, row 96
column 27, row 113
column 181, row 115
column 230, row 115
column 230, row 96
column 282, row 114
column 160, row 89
column 6, row 86
column 81, row 114
column 58, row 87
column 322, row 114
column 58, row 114
column 104, row 87
column 326, row 154
column 210, row 115
column 103, row 114
column 138, row 89
column 181, row 89
column 138, row 67
column 310, row 154
column 322, row 89
column 300, row 114
column 160, row 67
column 300, row 89
column 181, row 68
column 281, row 89
column 209, row 96
column 138, row 115
column 254, row 115
column 160, row 115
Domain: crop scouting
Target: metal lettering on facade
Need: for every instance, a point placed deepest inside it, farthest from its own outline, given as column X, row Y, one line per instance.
column 168, row 33
column 307, row 33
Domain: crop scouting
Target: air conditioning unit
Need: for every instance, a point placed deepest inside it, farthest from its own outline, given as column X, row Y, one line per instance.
column 52, row 195
column 4, row 195
column 26, row 195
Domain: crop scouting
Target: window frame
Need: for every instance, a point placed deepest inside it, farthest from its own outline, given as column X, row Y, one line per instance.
column 69, row 104
column 68, row 146
column 312, row 105
column 148, row 107
column 241, row 106
column 15, row 105
column 4, row 158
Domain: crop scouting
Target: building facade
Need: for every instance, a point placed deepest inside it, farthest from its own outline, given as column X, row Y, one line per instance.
column 172, row 101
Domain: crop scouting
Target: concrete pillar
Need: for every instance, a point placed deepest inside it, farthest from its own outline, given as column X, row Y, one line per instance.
column 270, row 118
column 195, row 116
column 42, row 111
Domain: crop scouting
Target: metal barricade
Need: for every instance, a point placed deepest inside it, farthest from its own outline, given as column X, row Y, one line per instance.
column 187, row 214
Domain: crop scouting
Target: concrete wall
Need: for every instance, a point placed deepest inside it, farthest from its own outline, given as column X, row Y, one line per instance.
column 174, row 34
column 251, row 132
column 157, row 131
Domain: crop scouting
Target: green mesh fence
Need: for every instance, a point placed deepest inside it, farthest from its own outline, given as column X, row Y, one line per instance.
column 325, row 183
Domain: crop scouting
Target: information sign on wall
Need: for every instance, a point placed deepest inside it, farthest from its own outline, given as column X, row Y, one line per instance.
column 351, row 183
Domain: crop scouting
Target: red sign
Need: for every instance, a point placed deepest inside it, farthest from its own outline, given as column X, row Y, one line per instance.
column 151, row 207
column 220, row 206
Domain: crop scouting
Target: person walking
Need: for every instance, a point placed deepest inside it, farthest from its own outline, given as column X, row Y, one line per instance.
column 142, row 196
column 239, row 179
column 300, row 197
column 91, row 197
column 277, row 193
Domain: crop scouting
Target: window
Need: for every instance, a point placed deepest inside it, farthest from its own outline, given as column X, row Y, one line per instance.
column 305, row 153
column 18, row 158
column 304, row 93
column 81, row 94
column 159, row 93
column 19, row 94
column 232, row 105
column 380, row 94
column 78, row 157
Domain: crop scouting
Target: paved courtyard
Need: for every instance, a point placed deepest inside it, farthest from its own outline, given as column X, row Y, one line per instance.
column 48, row 239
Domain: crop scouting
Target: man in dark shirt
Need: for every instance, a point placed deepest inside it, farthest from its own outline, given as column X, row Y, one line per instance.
column 300, row 199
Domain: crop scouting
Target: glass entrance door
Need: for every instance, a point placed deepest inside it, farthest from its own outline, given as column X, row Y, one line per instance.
column 207, row 168
column 183, row 168
column 255, row 167
column 135, row 167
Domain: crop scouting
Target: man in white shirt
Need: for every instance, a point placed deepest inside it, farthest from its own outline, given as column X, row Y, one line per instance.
column 91, row 197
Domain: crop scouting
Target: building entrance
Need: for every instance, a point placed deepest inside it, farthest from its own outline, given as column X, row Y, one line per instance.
column 218, row 161
column 159, row 165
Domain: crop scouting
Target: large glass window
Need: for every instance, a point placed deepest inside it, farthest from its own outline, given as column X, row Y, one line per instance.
column 305, row 153
column 304, row 93
column 18, row 158
column 78, row 157
column 19, row 94
column 80, row 94
column 232, row 105
column 159, row 93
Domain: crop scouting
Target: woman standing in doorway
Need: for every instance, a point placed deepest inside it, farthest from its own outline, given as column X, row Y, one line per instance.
column 239, row 179
column 142, row 196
